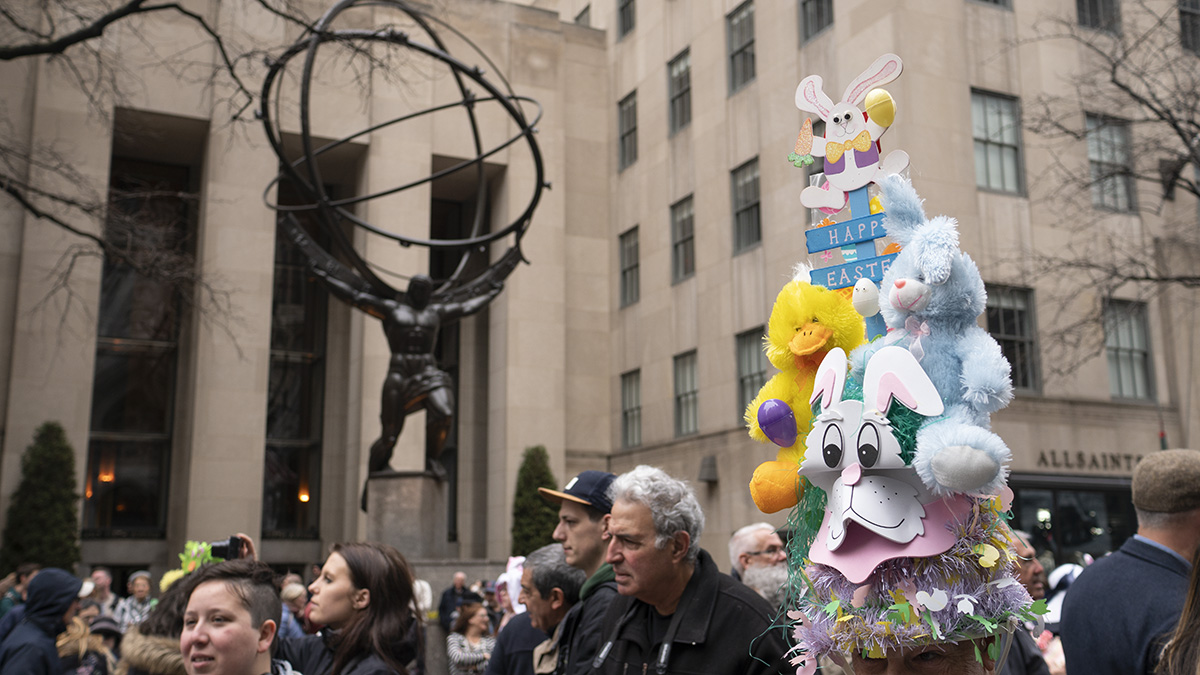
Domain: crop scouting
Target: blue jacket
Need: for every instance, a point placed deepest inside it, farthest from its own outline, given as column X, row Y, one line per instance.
column 1120, row 611
column 29, row 649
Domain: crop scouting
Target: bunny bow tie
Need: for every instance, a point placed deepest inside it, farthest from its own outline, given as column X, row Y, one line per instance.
column 834, row 150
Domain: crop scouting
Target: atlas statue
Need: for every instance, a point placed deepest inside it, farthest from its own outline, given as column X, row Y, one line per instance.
column 411, row 319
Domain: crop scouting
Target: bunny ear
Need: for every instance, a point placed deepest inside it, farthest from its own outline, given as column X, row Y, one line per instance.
column 885, row 69
column 802, row 272
column 831, row 379
column 811, row 97
column 893, row 373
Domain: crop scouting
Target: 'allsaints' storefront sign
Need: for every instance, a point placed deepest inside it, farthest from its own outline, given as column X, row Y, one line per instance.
column 1087, row 461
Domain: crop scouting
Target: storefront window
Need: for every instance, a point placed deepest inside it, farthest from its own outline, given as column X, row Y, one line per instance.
column 1071, row 519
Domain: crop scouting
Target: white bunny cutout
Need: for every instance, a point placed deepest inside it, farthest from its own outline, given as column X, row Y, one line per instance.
column 851, row 156
column 854, row 456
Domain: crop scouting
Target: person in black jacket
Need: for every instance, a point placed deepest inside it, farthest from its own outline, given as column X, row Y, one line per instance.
column 365, row 598
column 1147, row 576
column 677, row 612
column 582, row 507
column 52, row 600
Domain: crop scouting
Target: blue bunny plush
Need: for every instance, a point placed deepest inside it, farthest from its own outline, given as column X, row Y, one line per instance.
column 931, row 298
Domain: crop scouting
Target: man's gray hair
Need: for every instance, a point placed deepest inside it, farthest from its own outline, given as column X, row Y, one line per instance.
column 742, row 540
column 549, row 570
column 673, row 506
column 1160, row 520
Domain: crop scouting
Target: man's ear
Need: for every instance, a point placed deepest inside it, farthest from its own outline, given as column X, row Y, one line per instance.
column 557, row 599
column 361, row 599
column 266, row 635
column 743, row 560
column 989, row 664
column 679, row 546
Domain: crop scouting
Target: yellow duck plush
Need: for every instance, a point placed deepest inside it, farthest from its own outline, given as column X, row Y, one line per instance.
column 806, row 322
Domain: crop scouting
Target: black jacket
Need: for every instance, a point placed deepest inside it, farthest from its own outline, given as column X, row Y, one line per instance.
column 313, row 655
column 514, row 647
column 29, row 649
column 1119, row 612
column 725, row 628
column 583, row 626
column 1024, row 658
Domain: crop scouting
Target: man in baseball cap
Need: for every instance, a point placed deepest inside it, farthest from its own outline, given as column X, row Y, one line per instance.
column 584, row 505
column 1123, row 606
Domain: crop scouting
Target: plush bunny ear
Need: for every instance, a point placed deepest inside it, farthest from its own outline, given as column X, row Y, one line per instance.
column 893, row 373
column 802, row 272
column 885, row 69
column 811, row 97
column 903, row 207
column 831, row 379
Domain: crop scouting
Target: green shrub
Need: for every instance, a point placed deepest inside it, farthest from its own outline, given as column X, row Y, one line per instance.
column 533, row 517
column 42, row 524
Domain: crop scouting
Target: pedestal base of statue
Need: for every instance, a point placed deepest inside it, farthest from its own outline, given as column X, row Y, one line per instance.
column 407, row 510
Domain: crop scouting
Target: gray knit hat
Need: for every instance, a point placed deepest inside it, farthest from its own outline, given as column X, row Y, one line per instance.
column 1167, row 481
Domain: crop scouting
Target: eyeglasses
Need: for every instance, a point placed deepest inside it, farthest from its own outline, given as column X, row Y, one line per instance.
column 771, row 551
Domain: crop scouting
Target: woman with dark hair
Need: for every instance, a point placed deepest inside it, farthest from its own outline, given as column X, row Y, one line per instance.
column 469, row 646
column 1181, row 656
column 364, row 596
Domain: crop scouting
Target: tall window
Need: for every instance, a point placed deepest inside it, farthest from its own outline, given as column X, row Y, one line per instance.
column 626, row 17
column 630, row 279
column 1189, row 25
column 739, row 30
column 687, row 414
column 815, row 16
column 631, row 409
column 998, row 3
column 1010, row 322
column 683, row 244
column 747, row 230
column 1102, row 15
column 996, row 123
column 133, row 392
column 295, row 391
column 1110, row 159
column 584, row 17
column 679, row 90
column 1128, row 346
column 751, row 366
column 627, row 129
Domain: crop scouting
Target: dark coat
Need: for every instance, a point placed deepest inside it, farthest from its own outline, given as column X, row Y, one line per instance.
column 725, row 628
column 29, row 648
column 514, row 647
column 313, row 655
column 1121, row 610
column 583, row 626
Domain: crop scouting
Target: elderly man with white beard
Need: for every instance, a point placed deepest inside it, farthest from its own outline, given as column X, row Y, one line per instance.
column 759, row 559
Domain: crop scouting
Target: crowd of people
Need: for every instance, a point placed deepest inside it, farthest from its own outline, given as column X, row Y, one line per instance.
column 625, row 588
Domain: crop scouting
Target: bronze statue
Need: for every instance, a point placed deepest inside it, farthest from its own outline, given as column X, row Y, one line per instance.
column 413, row 381
column 412, row 319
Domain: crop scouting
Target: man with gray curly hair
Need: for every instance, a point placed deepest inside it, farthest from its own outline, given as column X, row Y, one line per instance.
column 676, row 611
column 549, row 588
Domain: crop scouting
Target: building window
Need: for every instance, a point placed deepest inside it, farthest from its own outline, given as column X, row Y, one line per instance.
column 133, row 391
column 627, row 129
column 1128, row 347
column 996, row 122
column 1189, row 25
column 1102, row 15
column 630, row 279
column 747, row 230
column 815, row 16
column 1110, row 159
column 683, row 240
column 687, row 414
column 751, row 366
column 295, row 389
column 998, row 3
column 626, row 17
column 584, row 17
column 679, row 90
column 1067, row 519
column 740, row 36
column 631, row 409
column 1010, row 321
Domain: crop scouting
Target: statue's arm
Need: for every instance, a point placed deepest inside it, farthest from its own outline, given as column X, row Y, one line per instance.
column 361, row 299
column 455, row 310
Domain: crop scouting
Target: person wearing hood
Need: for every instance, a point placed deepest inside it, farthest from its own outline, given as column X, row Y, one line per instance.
column 52, row 601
